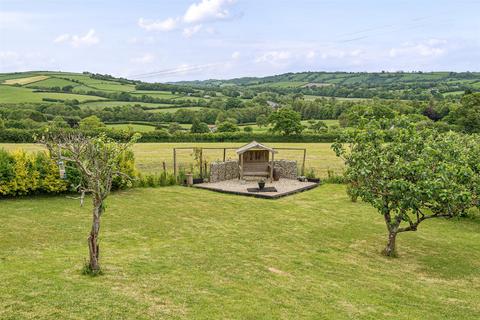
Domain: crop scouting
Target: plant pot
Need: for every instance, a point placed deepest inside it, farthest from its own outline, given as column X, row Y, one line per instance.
column 261, row 185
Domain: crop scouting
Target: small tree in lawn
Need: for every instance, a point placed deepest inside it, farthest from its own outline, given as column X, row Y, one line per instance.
column 415, row 177
column 98, row 161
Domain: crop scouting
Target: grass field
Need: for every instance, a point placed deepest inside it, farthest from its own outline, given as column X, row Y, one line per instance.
column 26, row 80
column 109, row 103
column 184, row 253
column 149, row 156
column 10, row 94
column 134, row 127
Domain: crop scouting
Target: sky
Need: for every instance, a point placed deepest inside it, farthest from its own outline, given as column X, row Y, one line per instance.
column 159, row 40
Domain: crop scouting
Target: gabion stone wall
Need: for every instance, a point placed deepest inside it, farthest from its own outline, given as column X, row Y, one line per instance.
column 288, row 168
column 220, row 171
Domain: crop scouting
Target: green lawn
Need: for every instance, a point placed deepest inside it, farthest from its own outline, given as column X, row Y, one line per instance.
column 149, row 156
column 183, row 253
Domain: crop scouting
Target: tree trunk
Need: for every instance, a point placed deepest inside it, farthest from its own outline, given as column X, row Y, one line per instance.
column 93, row 247
column 390, row 249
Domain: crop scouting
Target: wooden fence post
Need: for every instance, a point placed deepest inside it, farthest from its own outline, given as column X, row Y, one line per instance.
column 175, row 162
column 201, row 162
column 303, row 163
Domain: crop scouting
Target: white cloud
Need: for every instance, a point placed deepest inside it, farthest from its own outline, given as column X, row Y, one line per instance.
column 190, row 31
column 144, row 59
column 62, row 38
column 207, row 10
column 428, row 48
column 190, row 21
column 236, row 55
column 89, row 39
column 311, row 54
column 273, row 56
column 168, row 24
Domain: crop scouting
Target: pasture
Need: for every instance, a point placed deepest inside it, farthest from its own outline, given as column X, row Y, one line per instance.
column 11, row 94
column 150, row 156
column 184, row 253
column 26, row 80
column 132, row 127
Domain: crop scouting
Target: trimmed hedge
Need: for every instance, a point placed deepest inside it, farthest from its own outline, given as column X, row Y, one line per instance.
column 25, row 136
column 23, row 173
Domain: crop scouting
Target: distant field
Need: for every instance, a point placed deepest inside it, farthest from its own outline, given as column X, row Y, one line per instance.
column 24, row 81
column 53, row 82
column 11, row 94
column 157, row 94
column 172, row 110
column 110, row 103
column 310, row 97
column 258, row 129
column 149, row 156
column 134, row 127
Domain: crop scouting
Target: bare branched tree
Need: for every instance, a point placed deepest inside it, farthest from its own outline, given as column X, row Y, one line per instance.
column 97, row 159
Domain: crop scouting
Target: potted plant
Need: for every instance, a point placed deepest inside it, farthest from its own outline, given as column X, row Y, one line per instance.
column 261, row 184
column 311, row 176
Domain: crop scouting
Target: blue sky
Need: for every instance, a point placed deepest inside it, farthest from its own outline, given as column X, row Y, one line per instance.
column 159, row 40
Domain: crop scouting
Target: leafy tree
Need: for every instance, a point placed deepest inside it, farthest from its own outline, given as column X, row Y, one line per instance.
column 262, row 120
column 59, row 122
column 227, row 126
column 233, row 103
column 199, row 127
column 248, row 129
column 467, row 114
column 2, row 124
column 319, row 126
column 98, row 161
column 419, row 175
column 91, row 123
column 174, row 128
column 286, row 121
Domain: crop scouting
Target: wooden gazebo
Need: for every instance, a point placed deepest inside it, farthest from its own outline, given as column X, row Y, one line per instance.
column 254, row 160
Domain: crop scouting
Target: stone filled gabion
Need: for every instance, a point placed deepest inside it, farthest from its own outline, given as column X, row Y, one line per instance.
column 287, row 168
column 221, row 171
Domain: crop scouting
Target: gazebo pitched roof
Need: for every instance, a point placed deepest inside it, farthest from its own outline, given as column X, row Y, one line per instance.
column 254, row 145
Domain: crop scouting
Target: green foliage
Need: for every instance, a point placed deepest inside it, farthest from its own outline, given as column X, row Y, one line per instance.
column 467, row 115
column 248, row 129
column 174, row 127
column 286, row 121
column 227, row 126
column 360, row 114
column 91, row 123
column 319, row 126
column 262, row 120
column 416, row 176
column 22, row 173
column 199, row 127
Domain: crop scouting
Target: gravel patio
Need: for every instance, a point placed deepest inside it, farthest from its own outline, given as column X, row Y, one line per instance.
column 284, row 187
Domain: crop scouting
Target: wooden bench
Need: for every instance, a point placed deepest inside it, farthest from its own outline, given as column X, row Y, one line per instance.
column 260, row 169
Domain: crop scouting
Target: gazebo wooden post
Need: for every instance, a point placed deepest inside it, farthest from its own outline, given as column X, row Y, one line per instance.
column 271, row 166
